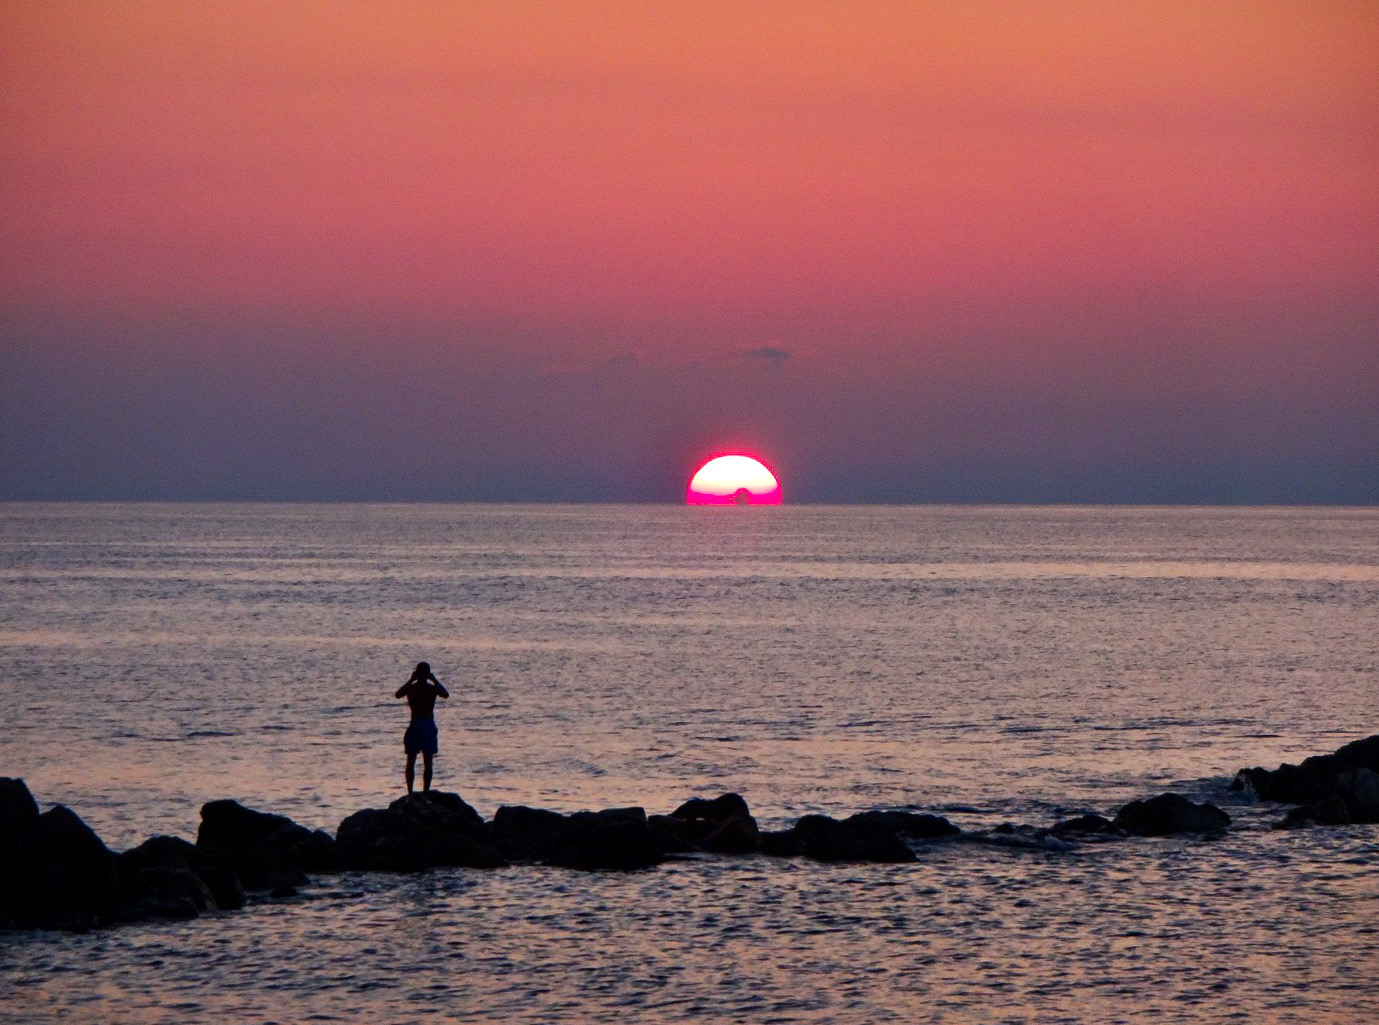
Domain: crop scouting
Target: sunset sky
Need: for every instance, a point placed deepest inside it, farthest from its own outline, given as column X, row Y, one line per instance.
column 947, row 251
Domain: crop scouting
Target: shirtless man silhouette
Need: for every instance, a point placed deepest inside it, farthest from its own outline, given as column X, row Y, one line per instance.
column 421, row 691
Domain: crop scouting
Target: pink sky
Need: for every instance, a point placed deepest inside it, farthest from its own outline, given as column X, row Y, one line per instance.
column 891, row 242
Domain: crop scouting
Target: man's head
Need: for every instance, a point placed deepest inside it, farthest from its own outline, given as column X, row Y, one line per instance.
column 423, row 670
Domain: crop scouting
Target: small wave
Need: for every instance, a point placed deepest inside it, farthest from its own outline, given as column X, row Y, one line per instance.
column 198, row 734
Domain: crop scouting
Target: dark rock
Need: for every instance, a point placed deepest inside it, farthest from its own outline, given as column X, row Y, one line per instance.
column 1359, row 788
column 18, row 809
column 527, row 834
column 1087, row 825
column 58, row 874
column 417, row 832
column 162, row 852
column 723, row 825
column 318, row 853
column 164, row 893
column 1330, row 811
column 1316, row 779
column 782, row 843
column 446, row 811
column 854, row 839
column 266, row 851
column 669, row 835
column 1168, row 814
column 224, row 885
column 918, row 825
column 616, row 839
column 157, row 881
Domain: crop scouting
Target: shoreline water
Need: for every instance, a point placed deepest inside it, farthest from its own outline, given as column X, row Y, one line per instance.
column 988, row 665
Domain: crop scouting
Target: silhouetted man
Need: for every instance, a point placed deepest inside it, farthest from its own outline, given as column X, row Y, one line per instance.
column 422, row 736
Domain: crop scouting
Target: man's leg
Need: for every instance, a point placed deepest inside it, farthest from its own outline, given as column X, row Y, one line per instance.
column 426, row 771
column 412, row 769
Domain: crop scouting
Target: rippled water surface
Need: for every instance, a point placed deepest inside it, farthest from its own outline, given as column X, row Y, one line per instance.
column 994, row 664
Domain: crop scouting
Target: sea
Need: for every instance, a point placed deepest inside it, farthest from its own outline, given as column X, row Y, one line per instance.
column 995, row 665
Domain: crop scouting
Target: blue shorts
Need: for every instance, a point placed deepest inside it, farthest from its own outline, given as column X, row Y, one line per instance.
column 421, row 737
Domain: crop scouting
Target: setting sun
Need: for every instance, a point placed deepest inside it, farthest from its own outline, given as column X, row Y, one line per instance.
column 733, row 480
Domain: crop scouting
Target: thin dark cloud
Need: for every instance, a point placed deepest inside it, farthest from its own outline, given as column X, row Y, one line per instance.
column 764, row 354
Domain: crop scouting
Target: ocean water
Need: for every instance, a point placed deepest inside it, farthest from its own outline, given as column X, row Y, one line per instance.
column 990, row 664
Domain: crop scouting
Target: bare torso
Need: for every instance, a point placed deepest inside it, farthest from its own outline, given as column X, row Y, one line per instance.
column 421, row 697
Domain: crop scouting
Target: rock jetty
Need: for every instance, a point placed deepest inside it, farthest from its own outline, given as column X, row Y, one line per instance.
column 56, row 873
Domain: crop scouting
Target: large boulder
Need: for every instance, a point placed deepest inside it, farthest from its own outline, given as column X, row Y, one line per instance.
column 224, row 883
column 1169, row 814
column 56, row 873
column 163, row 878
column 1359, row 789
column 723, row 825
column 615, row 839
column 162, row 852
column 416, row 832
column 266, row 851
column 528, row 835
column 856, row 838
column 1321, row 777
column 18, row 809
column 164, row 893
column 174, row 853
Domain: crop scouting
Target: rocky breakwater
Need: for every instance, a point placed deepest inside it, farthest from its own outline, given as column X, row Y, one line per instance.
column 439, row 829
column 1336, row 789
column 56, row 873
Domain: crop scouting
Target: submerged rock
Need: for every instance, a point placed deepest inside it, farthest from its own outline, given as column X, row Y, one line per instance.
column 416, row 832
column 866, row 836
column 1087, row 826
column 1025, row 838
column 1169, row 814
column 918, row 825
column 1329, row 812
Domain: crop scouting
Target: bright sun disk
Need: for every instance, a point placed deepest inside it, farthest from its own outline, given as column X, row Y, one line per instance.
column 733, row 480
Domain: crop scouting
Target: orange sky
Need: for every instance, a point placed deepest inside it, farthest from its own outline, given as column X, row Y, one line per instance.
column 955, row 188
